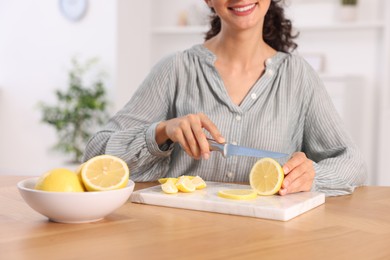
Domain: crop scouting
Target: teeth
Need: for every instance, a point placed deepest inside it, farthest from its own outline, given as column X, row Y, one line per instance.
column 245, row 8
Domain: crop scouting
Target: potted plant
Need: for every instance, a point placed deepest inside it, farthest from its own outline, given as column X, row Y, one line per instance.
column 349, row 2
column 348, row 10
column 80, row 109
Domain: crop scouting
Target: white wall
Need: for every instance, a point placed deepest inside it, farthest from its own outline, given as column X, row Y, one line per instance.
column 133, row 47
column 36, row 45
column 383, row 137
column 351, row 59
column 383, row 153
column 360, row 54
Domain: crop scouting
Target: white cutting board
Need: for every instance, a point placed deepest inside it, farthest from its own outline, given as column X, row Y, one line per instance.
column 269, row 207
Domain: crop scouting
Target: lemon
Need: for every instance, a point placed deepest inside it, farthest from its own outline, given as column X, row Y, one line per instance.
column 105, row 172
column 266, row 176
column 164, row 180
column 185, row 184
column 169, row 186
column 198, row 182
column 60, row 180
column 78, row 172
column 237, row 194
column 79, row 169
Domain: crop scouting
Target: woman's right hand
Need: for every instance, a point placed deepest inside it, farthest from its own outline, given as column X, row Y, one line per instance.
column 188, row 132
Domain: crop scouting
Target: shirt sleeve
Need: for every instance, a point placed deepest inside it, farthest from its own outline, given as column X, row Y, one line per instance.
column 130, row 133
column 338, row 163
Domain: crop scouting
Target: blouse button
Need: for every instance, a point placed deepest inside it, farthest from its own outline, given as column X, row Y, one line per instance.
column 270, row 73
column 230, row 174
column 238, row 117
column 253, row 96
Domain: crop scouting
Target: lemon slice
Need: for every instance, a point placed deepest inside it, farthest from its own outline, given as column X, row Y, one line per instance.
column 105, row 172
column 266, row 176
column 169, row 186
column 184, row 184
column 164, row 180
column 238, row 194
column 198, row 182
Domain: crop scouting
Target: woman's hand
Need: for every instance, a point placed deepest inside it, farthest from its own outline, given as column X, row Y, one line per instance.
column 188, row 132
column 299, row 174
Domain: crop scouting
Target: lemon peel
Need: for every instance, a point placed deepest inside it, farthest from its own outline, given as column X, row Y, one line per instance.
column 59, row 180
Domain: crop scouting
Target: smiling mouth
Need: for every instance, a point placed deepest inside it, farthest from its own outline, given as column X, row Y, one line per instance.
column 243, row 9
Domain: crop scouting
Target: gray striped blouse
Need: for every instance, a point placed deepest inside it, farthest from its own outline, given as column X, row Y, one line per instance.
column 287, row 110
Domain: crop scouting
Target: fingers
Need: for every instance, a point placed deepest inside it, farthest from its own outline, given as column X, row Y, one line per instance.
column 212, row 128
column 299, row 174
column 181, row 139
column 195, row 136
column 207, row 124
column 188, row 132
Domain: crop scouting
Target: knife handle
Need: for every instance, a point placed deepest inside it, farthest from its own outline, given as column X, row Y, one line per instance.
column 214, row 146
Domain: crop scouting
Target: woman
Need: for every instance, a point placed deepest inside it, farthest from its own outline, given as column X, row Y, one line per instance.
column 243, row 86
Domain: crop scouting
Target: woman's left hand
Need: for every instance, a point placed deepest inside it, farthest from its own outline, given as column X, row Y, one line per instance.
column 299, row 174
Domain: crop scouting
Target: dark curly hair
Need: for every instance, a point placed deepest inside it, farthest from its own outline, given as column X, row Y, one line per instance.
column 277, row 30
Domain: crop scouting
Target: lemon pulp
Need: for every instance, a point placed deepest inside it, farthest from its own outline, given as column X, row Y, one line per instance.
column 184, row 184
column 266, row 176
column 169, row 187
column 105, row 172
column 199, row 183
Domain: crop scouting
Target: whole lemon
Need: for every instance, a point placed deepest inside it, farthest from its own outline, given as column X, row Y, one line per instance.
column 60, row 180
column 78, row 173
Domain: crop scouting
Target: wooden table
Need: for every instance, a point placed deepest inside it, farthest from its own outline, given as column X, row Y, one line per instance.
column 348, row 227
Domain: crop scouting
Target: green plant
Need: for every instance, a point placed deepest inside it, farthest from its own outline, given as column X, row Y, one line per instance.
column 349, row 2
column 80, row 109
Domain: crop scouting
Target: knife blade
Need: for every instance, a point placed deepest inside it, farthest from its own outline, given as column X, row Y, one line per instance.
column 235, row 150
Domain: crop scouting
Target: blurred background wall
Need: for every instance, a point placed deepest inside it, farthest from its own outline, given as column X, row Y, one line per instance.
column 37, row 42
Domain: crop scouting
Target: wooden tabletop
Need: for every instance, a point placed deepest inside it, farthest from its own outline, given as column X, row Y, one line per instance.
column 349, row 227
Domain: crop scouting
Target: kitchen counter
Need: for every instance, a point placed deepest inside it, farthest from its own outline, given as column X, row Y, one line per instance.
column 353, row 226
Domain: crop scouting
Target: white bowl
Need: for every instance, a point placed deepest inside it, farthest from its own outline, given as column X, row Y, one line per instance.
column 73, row 207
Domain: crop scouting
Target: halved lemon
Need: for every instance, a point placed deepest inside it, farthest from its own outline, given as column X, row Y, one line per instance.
column 105, row 172
column 185, row 184
column 169, row 186
column 237, row 194
column 266, row 176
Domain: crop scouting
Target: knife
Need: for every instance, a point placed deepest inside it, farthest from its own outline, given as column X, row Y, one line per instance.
column 230, row 150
